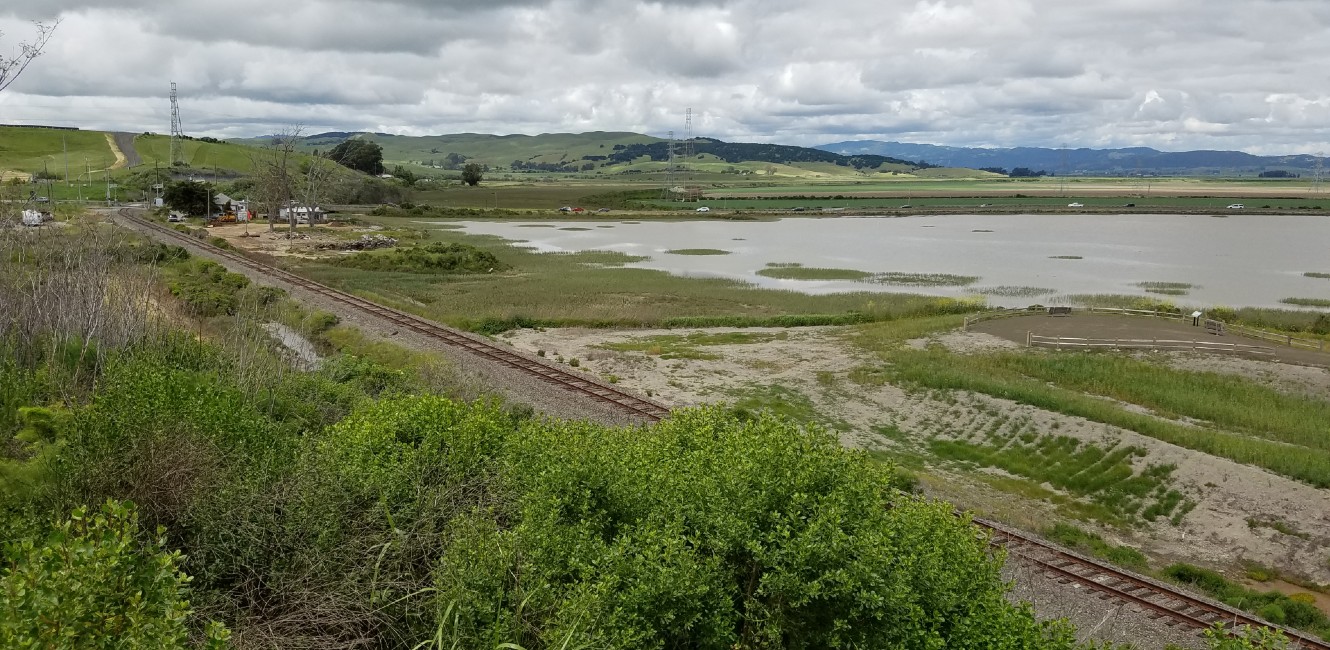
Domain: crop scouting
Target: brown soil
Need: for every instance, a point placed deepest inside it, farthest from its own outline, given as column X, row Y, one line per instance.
column 281, row 242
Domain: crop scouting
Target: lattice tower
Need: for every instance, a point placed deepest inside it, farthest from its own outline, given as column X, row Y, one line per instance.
column 177, row 135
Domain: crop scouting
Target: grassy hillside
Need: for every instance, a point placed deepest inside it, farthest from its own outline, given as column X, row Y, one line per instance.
column 225, row 156
column 29, row 150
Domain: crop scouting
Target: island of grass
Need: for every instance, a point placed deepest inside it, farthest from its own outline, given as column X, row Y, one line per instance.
column 1167, row 288
column 697, row 251
column 1065, row 257
column 796, row 271
column 1315, row 274
column 903, row 279
column 1014, row 291
column 1307, row 302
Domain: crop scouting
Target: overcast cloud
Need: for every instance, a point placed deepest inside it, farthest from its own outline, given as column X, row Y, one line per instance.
column 1172, row 74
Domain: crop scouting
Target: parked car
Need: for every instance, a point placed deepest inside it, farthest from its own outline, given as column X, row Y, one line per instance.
column 566, row 208
column 1075, row 205
column 1235, row 206
column 176, row 217
column 704, row 209
column 602, row 210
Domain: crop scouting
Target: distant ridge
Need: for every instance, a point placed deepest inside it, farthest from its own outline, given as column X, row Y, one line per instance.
column 1083, row 161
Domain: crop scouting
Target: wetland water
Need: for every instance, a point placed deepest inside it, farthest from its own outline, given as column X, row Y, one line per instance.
column 1238, row 260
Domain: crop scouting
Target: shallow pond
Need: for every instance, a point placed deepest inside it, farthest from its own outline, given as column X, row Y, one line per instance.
column 1235, row 260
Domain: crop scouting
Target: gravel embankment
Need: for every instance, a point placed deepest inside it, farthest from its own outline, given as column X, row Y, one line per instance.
column 512, row 385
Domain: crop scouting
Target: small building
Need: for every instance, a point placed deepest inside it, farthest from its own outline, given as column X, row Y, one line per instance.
column 303, row 213
column 227, row 205
column 32, row 218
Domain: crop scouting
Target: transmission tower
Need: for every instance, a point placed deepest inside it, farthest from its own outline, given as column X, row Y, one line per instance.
column 1316, row 180
column 668, row 193
column 688, row 191
column 177, row 144
column 1062, row 171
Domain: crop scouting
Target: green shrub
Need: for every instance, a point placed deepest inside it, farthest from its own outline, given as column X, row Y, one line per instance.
column 436, row 257
column 91, row 584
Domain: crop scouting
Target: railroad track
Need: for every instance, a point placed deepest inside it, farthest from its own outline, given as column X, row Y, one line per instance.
column 1155, row 600
column 548, row 373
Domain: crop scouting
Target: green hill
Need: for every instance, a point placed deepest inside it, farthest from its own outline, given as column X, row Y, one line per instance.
column 28, row 150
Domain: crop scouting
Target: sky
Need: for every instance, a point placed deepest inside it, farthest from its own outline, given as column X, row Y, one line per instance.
column 1248, row 75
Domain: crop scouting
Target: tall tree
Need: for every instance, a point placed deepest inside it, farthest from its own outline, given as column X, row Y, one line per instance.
column 472, row 174
column 11, row 67
column 360, row 155
column 189, row 197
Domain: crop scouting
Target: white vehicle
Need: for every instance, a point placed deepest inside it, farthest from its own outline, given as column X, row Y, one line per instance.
column 1235, row 206
column 32, row 218
column 176, row 217
column 704, row 209
column 1075, row 205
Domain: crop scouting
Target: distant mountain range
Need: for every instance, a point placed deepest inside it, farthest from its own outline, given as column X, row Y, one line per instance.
column 1117, row 162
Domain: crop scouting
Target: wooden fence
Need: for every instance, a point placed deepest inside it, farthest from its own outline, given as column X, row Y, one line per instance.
column 1278, row 338
column 1072, row 343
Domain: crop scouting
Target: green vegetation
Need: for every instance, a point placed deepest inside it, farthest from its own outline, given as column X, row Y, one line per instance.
column 795, row 271
column 1254, row 425
column 581, row 289
column 92, row 583
column 429, row 258
column 1167, row 288
column 697, row 251
column 1315, row 274
column 1081, row 540
column 1271, row 605
column 923, row 279
column 685, row 346
column 1065, row 257
column 1014, row 291
column 1104, row 476
column 356, row 502
column 1307, row 302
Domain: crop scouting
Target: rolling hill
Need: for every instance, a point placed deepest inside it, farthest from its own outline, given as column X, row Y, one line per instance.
column 1086, row 162
column 609, row 152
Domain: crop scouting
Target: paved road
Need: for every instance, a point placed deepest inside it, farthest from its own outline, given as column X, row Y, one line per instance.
column 125, row 141
column 1107, row 326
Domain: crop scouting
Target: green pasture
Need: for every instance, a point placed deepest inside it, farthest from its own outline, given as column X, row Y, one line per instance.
column 32, row 150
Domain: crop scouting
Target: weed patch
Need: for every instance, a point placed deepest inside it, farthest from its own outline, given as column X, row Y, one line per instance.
column 430, row 258
column 697, row 251
column 902, row 279
column 799, row 272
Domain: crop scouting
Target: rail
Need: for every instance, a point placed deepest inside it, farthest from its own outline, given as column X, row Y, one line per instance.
column 479, row 346
column 1157, row 598
column 1074, row 343
column 1278, row 338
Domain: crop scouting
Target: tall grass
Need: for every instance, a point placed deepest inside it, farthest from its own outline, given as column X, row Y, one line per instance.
column 1004, row 376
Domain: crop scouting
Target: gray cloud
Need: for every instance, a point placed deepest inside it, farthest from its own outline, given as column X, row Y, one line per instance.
column 1241, row 74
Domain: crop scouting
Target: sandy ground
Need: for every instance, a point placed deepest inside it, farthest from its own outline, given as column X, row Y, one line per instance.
column 815, row 362
column 280, row 242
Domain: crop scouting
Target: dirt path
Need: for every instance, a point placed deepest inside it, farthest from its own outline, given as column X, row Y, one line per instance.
column 124, row 143
column 1108, row 326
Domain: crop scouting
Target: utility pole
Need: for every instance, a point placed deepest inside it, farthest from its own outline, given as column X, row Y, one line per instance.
column 64, row 144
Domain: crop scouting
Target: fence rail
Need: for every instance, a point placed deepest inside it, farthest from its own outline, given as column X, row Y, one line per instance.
column 1278, row 338
column 1073, row 343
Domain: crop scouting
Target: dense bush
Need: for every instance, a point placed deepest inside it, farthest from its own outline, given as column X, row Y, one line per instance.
column 1271, row 605
column 207, row 288
column 91, row 583
column 431, row 258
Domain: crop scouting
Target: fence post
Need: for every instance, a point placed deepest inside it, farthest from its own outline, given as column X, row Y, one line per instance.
column 1027, row 338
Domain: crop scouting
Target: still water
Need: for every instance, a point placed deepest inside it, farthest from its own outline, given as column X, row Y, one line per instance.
column 1238, row 260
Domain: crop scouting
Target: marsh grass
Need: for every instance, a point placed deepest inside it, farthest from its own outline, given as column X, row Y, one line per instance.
column 697, row 251
column 800, row 272
column 583, row 289
column 1248, row 423
column 899, row 278
column 575, row 229
column 1014, row 291
column 1167, row 288
column 1307, row 302
column 1065, row 257
column 1315, row 274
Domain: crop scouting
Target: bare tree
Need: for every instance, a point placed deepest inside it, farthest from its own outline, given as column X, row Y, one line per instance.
column 13, row 66
column 273, row 177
